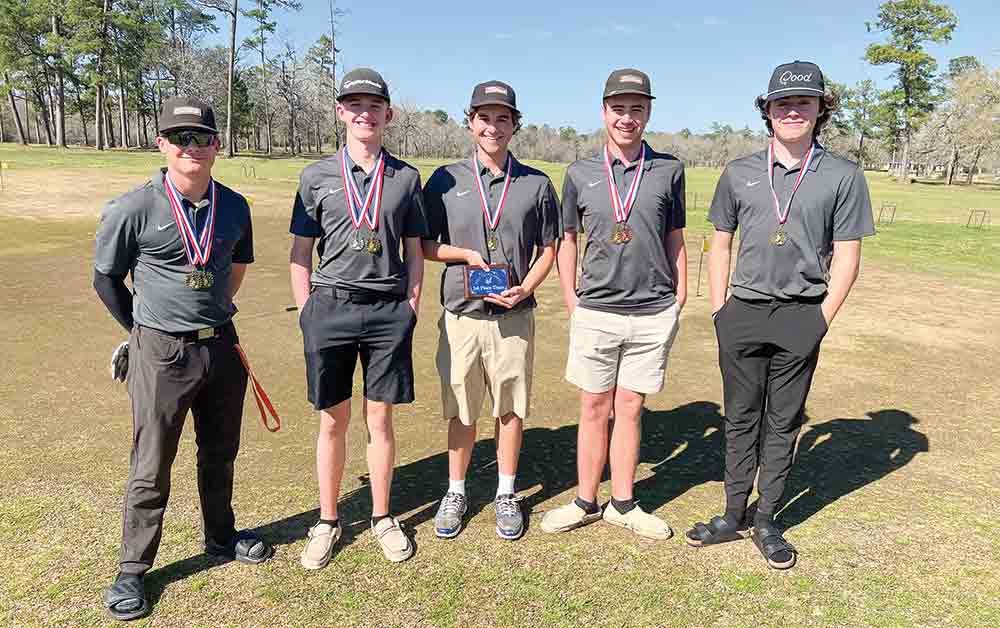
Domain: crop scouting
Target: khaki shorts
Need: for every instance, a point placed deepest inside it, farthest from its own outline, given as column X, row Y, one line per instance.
column 629, row 350
column 480, row 355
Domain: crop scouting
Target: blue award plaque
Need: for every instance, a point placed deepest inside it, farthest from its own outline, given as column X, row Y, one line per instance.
column 480, row 283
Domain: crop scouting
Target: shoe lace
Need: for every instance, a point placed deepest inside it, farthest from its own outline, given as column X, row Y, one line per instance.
column 452, row 503
column 507, row 506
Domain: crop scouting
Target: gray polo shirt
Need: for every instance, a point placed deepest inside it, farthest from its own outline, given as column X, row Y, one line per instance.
column 832, row 203
column 321, row 211
column 137, row 234
column 530, row 221
column 631, row 278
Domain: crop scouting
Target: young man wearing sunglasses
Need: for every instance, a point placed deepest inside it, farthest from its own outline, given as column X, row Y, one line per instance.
column 624, row 314
column 366, row 210
column 488, row 209
column 801, row 213
column 186, row 240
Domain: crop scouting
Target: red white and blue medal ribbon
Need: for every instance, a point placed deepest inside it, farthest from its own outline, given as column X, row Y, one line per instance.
column 492, row 218
column 198, row 249
column 782, row 215
column 623, row 207
column 368, row 210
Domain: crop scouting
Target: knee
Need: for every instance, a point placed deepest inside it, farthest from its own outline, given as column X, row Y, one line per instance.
column 596, row 407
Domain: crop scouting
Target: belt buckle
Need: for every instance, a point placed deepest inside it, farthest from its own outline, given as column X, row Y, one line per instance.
column 205, row 333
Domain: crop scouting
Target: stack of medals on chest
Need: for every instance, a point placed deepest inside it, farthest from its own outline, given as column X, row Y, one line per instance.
column 367, row 211
column 197, row 249
column 622, row 233
column 492, row 218
column 780, row 236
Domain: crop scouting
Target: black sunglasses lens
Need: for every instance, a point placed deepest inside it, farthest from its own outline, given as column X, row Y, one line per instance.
column 187, row 138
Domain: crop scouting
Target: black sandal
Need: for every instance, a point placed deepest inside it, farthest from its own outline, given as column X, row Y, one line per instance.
column 769, row 541
column 718, row 530
column 245, row 547
column 126, row 588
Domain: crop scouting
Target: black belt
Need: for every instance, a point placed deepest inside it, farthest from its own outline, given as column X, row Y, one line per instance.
column 357, row 296
column 197, row 335
column 810, row 300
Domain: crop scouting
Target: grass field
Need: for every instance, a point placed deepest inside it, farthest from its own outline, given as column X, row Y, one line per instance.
column 893, row 502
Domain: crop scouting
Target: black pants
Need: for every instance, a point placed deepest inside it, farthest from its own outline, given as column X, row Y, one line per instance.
column 767, row 354
column 167, row 377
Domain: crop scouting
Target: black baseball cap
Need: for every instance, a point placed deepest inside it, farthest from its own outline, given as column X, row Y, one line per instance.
column 798, row 78
column 628, row 81
column 363, row 81
column 186, row 113
column 494, row 93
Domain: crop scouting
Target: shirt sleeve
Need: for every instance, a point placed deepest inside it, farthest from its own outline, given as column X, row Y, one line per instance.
column 243, row 251
column 852, row 217
column 117, row 243
column 437, row 216
column 415, row 224
column 549, row 223
column 678, row 199
column 723, row 213
column 306, row 211
column 570, row 209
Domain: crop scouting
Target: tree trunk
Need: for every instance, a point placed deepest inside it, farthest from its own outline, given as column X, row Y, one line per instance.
column 122, row 111
column 44, row 111
column 21, row 137
column 975, row 163
column 59, row 103
column 952, row 165
column 99, row 142
column 83, row 118
column 230, row 133
column 99, row 94
column 109, row 125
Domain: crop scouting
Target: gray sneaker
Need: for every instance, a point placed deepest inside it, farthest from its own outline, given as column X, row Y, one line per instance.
column 448, row 520
column 510, row 521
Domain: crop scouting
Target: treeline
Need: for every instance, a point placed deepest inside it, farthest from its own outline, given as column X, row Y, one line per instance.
column 94, row 72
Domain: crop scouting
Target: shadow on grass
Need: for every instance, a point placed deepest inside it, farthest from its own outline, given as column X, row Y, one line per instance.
column 685, row 445
column 838, row 457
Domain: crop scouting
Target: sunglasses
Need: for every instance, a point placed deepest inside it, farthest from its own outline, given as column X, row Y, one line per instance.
column 186, row 138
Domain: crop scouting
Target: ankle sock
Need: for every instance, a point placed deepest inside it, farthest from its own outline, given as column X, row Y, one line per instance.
column 333, row 523
column 623, row 506
column 457, row 486
column 377, row 518
column 505, row 484
column 588, row 507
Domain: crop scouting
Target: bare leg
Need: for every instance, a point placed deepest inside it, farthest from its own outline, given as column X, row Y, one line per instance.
column 381, row 454
column 461, row 439
column 509, row 430
column 331, row 452
column 592, row 441
column 625, row 442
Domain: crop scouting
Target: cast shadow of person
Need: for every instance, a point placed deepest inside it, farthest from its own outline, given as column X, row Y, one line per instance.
column 838, row 457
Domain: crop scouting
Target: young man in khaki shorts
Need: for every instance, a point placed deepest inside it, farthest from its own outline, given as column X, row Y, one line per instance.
column 488, row 209
column 624, row 314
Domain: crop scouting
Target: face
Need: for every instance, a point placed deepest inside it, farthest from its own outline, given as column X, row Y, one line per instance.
column 183, row 153
column 625, row 117
column 365, row 116
column 492, row 126
column 794, row 118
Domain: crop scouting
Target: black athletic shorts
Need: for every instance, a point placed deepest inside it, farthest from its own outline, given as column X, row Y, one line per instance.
column 338, row 326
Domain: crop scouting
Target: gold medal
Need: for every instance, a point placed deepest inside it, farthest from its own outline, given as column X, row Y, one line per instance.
column 491, row 242
column 192, row 280
column 374, row 245
column 779, row 237
column 208, row 279
column 626, row 234
column 616, row 234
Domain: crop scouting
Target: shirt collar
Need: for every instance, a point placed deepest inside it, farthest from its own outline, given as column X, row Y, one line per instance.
column 645, row 151
column 485, row 169
column 813, row 165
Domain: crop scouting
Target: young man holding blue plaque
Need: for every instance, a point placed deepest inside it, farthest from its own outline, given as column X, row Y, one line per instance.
column 488, row 214
column 801, row 213
column 365, row 207
column 624, row 314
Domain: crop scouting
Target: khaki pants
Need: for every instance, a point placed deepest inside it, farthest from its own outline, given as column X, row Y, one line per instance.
column 478, row 355
column 627, row 350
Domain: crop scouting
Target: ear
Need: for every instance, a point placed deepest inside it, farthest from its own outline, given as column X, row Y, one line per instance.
column 388, row 115
column 162, row 143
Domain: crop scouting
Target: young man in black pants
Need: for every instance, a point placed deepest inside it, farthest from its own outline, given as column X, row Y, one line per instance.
column 802, row 213
column 186, row 240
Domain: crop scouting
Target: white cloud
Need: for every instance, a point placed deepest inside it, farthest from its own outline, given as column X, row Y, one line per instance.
column 711, row 20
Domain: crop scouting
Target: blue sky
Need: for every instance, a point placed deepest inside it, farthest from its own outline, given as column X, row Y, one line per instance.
column 706, row 61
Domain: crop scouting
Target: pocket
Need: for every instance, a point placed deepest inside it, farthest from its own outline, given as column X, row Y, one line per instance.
column 823, row 325
column 163, row 350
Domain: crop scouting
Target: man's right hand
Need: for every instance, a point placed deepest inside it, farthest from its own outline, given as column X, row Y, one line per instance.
column 119, row 362
column 473, row 258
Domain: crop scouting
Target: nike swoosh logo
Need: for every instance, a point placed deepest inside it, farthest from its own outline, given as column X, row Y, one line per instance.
column 595, row 183
column 334, row 191
column 162, row 227
column 462, row 193
column 750, row 184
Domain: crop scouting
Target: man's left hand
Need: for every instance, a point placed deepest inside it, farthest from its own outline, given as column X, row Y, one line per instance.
column 509, row 297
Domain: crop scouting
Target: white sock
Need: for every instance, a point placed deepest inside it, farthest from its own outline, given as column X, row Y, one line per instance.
column 505, row 486
column 457, row 486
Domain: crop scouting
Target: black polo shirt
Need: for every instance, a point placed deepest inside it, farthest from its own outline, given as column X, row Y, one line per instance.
column 529, row 222
column 321, row 212
column 831, row 204
column 138, row 234
column 632, row 278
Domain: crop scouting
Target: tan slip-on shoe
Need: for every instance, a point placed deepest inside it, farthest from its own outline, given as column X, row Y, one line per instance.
column 319, row 547
column 566, row 518
column 395, row 545
column 640, row 522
